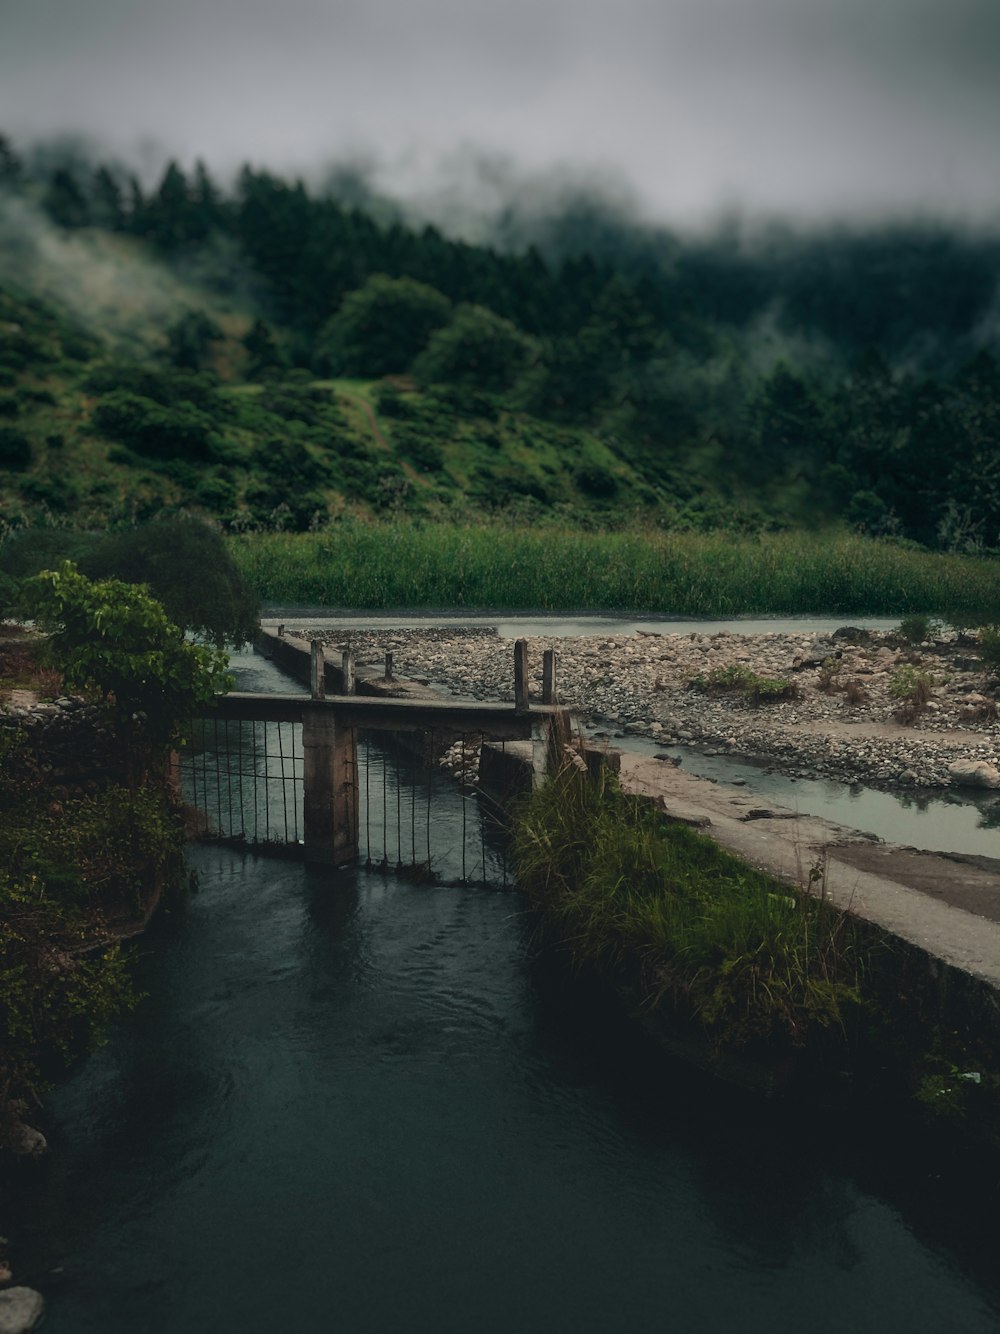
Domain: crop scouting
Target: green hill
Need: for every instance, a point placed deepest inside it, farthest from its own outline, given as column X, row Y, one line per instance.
column 274, row 358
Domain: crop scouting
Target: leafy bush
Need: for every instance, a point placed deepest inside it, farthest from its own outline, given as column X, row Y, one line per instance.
column 595, row 481
column 919, row 627
column 149, row 428
column 188, row 567
column 423, row 451
column 116, row 639
column 163, row 386
column 477, row 349
column 736, row 678
column 989, row 645
column 57, row 492
column 910, row 683
column 32, row 549
column 15, row 449
column 381, row 326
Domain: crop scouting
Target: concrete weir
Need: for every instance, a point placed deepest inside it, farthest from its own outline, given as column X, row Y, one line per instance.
column 346, row 697
column 945, row 907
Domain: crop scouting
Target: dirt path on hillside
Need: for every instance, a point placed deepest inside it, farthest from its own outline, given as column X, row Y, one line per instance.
column 369, row 413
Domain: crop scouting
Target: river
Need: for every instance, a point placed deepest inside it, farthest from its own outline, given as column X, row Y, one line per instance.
column 355, row 1103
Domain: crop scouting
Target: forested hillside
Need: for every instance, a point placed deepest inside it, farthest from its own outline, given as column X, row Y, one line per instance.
column 275, row 357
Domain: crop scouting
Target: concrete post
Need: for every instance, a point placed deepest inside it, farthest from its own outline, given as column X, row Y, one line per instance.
column 330, row 801
column 317, row 669
column 347, row 670
column 521, row 675
column 549, row 676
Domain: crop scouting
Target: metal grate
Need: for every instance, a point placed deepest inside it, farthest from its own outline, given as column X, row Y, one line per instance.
column 244, row 783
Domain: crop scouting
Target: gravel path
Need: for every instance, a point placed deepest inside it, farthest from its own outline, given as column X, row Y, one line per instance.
column 640, row 684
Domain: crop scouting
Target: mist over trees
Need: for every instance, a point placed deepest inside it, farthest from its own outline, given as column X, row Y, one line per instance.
column 849, row 373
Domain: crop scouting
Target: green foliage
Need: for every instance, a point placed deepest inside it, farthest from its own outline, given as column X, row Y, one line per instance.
column 736, row 951
column 15, row 449
column 116, row 639
column 911, row 683
column 989, row 645
column 917, row 628
column 738, row 679
column 188, row 568
column 551, row 566
column 596, row 482
column 380, row 327
column 149, row 428
column 66, row 871
column 190, row 340
column 477, row 348
column 264, row 357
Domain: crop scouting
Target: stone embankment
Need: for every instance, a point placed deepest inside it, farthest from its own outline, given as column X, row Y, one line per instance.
column 72, row 749
column 844, row 721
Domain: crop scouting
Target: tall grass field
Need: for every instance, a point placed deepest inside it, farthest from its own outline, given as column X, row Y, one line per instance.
column 409, row 563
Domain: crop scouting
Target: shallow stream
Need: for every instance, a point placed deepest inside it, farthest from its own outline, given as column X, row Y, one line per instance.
column 354, row 1103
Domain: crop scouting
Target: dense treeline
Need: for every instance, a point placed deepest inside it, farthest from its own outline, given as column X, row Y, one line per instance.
column 801, row 377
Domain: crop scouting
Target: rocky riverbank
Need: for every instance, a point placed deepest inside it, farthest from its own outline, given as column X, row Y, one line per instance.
column 862, row 707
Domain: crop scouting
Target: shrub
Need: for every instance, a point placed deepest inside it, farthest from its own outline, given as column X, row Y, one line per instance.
column 918, row 627
column 115, row 638
column 15, row 449
column 828, row 677
column 989, row 645
column 478, row 348
column 188, row 567
column 58, row 493
column 596, row 482
column 423, row 452
column 149, row 428
column 736, row 678
column 909, row 683
column 381, row 326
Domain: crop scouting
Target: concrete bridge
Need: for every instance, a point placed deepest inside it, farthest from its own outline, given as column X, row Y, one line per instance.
column 364, row 700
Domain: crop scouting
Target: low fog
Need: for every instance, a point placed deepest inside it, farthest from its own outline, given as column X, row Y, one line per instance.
column 811, row 109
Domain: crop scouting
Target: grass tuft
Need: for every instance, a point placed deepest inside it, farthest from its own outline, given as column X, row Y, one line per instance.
column 736, row 950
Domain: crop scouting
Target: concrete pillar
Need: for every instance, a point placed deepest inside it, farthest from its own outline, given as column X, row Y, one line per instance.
column 549, row 676
column 330, row 803
column 317, row 669
column 521, row 675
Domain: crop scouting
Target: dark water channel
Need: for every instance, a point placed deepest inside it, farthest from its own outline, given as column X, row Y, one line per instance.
column 355, row 1103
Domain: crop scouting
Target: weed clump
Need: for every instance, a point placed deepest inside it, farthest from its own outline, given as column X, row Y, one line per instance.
column 739, row 953
column 855, row 693
column 737, row 679
column 918, row 628
column 913, row 688
column 989, row 645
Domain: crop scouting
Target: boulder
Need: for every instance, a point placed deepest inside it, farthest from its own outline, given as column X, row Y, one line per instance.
column 25, row 1141
column 974, row 773
column 20, row 1310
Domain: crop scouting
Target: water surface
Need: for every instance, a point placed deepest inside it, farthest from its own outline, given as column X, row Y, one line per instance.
column 350, row 1102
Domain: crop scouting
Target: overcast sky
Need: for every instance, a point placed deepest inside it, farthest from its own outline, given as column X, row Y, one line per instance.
column 811, row 107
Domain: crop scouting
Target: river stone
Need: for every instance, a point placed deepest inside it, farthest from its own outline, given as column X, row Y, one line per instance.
column 974, row 773
column 20, row 1310
column 26, row 1142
